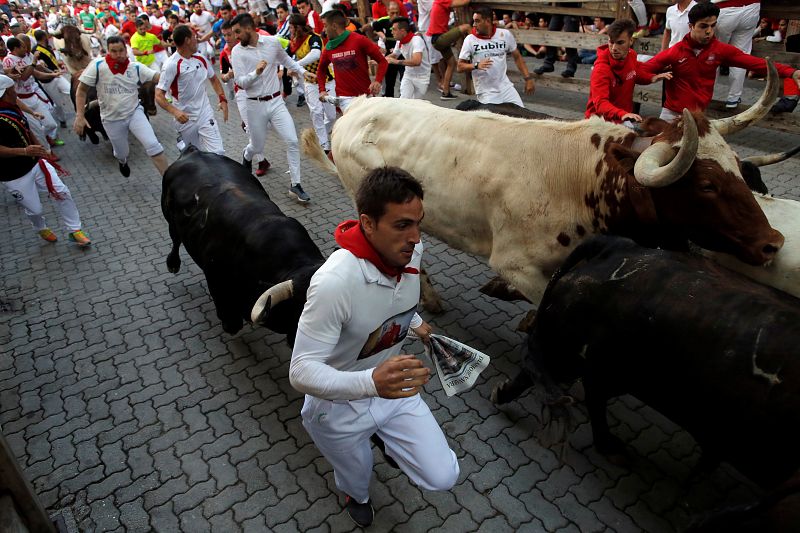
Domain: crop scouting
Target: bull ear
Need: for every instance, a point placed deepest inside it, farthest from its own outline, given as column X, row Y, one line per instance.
column 625, row 157
column 652, row 126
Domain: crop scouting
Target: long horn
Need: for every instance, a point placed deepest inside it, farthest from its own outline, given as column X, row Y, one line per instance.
column 726, row 126
column 272, row 297
column 771, row 159
column 659, row 167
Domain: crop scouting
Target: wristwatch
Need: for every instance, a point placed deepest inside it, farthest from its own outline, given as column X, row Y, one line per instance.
column 475, row 65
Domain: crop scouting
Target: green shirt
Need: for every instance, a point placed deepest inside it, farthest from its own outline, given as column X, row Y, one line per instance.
column 87, row 19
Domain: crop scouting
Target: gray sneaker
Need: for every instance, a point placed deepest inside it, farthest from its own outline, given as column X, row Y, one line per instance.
column 302, row 196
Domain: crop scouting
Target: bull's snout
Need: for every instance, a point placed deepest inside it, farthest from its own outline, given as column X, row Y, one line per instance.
column 770, row 247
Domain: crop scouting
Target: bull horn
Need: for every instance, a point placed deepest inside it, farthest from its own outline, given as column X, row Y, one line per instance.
column 771, row 159
column 272, row 297
column 726, row 126
column 659, row 167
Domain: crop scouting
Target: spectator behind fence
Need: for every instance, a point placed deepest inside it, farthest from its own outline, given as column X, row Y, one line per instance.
column 566, row 23
column 791, row 92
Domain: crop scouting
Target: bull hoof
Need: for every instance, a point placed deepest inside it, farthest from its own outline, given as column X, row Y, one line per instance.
column 498, row 396
column 526, row 324
column 232, row 327
column 173, row 265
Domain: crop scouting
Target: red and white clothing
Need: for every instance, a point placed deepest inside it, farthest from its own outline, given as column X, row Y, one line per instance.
column 265, row 106
column 415, row 79
column 204, row 22
column 492, row 85
column 424, row 7
column 736, row 23
column 379, row 10
column 694, row 70
column 35, row 98
column 355, row 318
column 350, row 67
column 611, row 85
column 120, row 112
column 314, row 22
column 184, row 78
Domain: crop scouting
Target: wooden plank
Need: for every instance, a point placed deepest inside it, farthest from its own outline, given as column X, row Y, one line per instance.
column 777, row 52
column 364, row 11
column 580, row 40
column 607, row 10
column 15, row 482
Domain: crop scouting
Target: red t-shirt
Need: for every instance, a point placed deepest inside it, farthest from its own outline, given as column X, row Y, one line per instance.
column 440, row 17
column 128, row 27
column 611, row 85
column 379, row 10
column 350, row 66
column 156, row 30
column 692, row 83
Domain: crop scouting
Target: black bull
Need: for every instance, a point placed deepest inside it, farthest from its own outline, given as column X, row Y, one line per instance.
column 147, row 98
column 240, row 239
column 707, row 347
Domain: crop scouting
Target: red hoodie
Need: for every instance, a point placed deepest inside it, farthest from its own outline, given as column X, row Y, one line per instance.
column 693, row 75
column 612, row 83
column 350, row 65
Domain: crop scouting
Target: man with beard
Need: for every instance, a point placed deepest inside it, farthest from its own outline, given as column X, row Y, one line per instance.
column 254, row 61
column 117, row 81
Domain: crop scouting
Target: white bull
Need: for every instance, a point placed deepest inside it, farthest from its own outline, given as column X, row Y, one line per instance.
column 490, row 191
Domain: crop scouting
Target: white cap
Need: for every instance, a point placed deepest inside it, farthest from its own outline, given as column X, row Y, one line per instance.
column 5, row 83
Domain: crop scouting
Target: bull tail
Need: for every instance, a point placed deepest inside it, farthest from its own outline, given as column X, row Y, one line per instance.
column 309, row 144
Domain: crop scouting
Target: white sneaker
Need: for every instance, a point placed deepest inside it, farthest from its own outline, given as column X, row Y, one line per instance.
column 456, row 86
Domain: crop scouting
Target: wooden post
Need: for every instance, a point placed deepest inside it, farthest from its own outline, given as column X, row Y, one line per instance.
column 364, row 11
column 14, row 481
column 464, row 16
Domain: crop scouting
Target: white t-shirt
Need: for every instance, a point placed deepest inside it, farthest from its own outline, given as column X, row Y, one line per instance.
column 416, row 44
column 492, row 83
column 677, row 22
column 118, row 94
column 190, row 94
column 19, row 64
column 159, row 21
column 363, row 314
column 204, row 21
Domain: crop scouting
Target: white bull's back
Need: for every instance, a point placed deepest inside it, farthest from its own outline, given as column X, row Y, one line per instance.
column 490, row 181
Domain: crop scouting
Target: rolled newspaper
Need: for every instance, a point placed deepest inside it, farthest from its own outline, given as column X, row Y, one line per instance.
column 457, row 364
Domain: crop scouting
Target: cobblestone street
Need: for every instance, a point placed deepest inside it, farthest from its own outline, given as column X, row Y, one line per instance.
column 130, row 408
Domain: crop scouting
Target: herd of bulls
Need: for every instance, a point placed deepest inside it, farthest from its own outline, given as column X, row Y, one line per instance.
column 595, row 229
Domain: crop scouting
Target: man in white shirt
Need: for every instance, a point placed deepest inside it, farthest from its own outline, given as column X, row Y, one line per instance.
column 360, row 306
column 412, row 47
column 20, row 61
column 203, row 21
column 677, row 23
column 117, row 80
column 255, row 60
column 184, row 77
column 484, row 53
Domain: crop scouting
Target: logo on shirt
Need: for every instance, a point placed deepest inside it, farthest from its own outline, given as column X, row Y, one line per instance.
column 391, row 332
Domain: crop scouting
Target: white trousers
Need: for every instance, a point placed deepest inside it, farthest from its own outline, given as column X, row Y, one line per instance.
column 413, row 438
column 433, row 54
column 137, row 124
column 46, row 127
column 241, row 104
column 735, row 26
column 414, row 88
column 25, row 192
column 507, row 95
column 344, row 102
column 262, row 115
column 202, row 133
column 323, row 114
column 58, row 92
column 637, row 6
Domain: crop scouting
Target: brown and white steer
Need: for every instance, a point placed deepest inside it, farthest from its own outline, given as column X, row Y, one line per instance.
column 492, row 191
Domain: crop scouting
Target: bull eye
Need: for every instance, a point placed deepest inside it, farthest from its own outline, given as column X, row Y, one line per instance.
column 708, row 187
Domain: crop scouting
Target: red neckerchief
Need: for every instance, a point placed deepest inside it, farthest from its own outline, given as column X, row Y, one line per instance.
column 349, row 236
column 117, row 67
column 295, row 44
column 484, row 37
column 407, row 38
